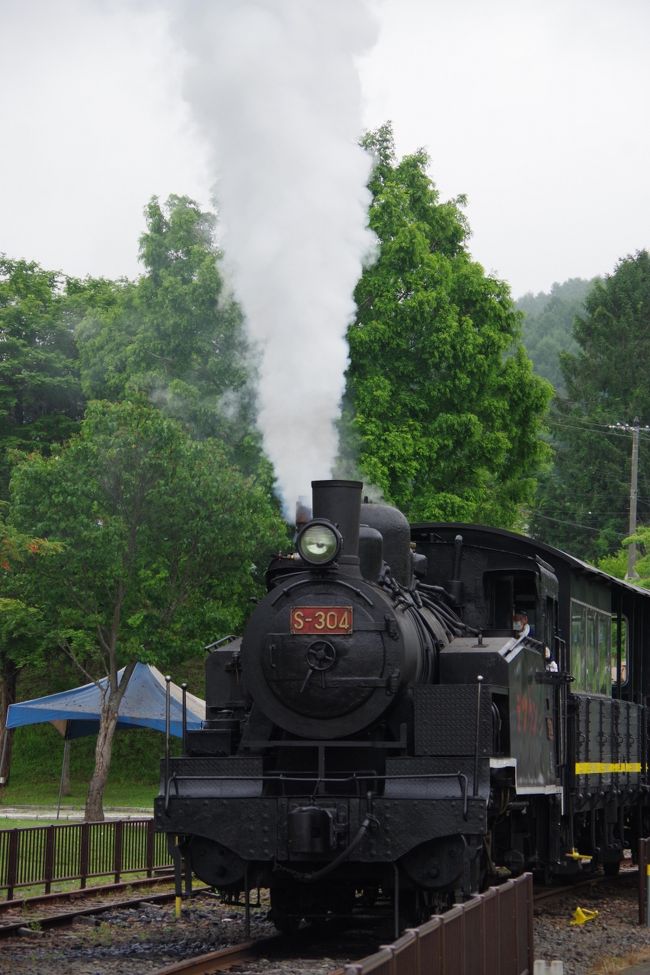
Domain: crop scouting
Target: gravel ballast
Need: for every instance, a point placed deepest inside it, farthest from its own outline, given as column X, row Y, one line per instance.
column 609, row 943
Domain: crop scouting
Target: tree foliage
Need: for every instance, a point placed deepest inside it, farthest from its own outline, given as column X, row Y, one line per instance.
column 40, row 395
column 160, row 538
column 443, row 412
column 584, row 501
column 616, row 563
column 548, row 326
column 23, row 629
column 175, row 335
column 41, row 404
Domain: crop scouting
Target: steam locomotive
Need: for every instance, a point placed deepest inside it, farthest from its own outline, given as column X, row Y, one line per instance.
column 413, row 711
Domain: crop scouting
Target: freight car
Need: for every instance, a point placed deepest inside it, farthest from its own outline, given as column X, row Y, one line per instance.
column 413, row 711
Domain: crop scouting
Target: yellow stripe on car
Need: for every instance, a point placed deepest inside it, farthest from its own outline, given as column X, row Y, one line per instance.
column 598, row 768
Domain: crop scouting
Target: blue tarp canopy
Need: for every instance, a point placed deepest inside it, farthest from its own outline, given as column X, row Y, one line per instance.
column 76, row 712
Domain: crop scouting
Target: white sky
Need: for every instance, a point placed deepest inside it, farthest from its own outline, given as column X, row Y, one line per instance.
column 537, row 110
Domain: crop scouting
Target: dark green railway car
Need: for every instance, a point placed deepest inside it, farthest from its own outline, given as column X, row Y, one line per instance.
column 569, row 768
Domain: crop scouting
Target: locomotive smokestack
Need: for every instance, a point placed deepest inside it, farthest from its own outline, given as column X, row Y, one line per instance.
column 340, row 503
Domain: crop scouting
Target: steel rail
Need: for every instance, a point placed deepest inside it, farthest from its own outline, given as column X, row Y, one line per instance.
column 81, row 893
column 224, row 958
column 548, row 893
column 29, row 925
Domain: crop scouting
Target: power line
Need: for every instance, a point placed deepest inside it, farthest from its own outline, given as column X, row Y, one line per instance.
column 574, row 524
column 585, row 428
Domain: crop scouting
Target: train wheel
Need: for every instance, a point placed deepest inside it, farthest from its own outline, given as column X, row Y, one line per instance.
column 286, row 913
column 286, row 923
column 415, row 907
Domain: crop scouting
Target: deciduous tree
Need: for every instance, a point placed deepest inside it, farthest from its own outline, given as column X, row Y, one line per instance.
column 23, row 629
column 443, row 413
column 40, row 395
column 176, row 335
column 161, row 538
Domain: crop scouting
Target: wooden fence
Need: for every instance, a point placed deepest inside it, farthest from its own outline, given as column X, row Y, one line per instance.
column 44, row 855
column 491, row 934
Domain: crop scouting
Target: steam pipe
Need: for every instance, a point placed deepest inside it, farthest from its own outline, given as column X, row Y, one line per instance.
column 310, row 878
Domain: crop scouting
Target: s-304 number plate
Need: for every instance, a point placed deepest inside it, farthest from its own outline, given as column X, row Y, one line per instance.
column 321, row 619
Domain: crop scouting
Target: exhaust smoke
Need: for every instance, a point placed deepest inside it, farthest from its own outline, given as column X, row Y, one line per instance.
column 273, row 86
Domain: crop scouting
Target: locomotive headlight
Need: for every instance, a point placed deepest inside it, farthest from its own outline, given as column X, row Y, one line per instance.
column 319, row 542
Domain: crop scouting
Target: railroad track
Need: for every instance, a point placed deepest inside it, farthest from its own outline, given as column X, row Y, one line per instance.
column 266, row 955
column 224, row 958
column 28, row 922
column 83, row 893
column 550, row 893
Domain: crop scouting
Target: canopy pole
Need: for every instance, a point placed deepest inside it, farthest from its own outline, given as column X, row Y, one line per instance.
column 66, row 755
column 5, row 745
column 184, row 687
column 168, row 707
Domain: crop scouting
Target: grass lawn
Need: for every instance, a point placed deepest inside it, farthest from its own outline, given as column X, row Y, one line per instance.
column 134, row 795
column 36, row 769
column 24, row 823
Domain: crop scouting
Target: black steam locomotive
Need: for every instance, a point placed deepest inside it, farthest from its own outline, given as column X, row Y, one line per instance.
column 414, row 711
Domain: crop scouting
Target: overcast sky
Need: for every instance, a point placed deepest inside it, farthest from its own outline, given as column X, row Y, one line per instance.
column 535, row 109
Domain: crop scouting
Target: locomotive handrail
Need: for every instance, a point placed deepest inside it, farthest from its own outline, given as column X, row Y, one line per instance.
column 285, row 590
column 306, row 777
column 277, row 776
column 316, row 743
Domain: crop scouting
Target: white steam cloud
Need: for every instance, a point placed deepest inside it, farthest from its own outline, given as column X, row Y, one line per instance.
column 273, row 85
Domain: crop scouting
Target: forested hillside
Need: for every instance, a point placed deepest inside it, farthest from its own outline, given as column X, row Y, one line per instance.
column 548, row 326
column 583, row 500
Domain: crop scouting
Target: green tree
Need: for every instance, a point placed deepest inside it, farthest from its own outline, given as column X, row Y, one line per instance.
column 583, row 502
column 442, row 410
column 175, row 335
column 160, row 534
column 41, row 404
column 23, row 630
column 616, row 564
column 40, row 395
column 548, row 326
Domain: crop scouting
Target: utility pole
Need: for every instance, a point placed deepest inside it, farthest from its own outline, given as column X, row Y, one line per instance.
column 634, row 429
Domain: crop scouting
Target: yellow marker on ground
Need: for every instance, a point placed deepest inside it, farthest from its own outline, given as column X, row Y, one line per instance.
column 582, row 914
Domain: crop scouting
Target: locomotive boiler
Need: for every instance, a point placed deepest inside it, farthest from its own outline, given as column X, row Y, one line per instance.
column 382, row 726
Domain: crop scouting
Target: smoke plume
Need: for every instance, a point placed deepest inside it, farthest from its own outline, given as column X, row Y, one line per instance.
column 273, row 86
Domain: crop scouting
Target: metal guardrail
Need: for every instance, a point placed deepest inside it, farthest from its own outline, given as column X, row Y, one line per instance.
column 43, row 855
column 491, row 934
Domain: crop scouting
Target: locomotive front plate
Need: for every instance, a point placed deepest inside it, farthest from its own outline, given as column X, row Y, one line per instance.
column 336, row 620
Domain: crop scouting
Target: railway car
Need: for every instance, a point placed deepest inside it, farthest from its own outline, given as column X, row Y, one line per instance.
column 568, row 765
column 413, row 711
